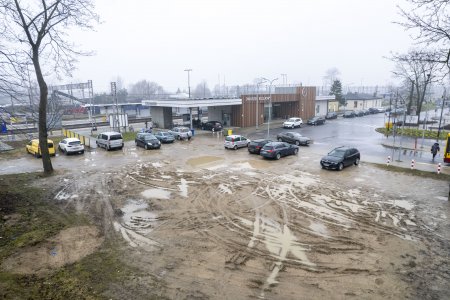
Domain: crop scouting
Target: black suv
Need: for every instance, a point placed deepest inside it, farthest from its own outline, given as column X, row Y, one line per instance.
column 340, row 157
column 210, row 125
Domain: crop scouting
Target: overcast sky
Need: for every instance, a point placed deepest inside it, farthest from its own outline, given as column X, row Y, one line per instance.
column 240, row 40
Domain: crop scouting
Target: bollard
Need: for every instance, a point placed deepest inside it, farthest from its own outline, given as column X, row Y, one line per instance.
column 388, row 161
column 412, row 164
column 439, row 168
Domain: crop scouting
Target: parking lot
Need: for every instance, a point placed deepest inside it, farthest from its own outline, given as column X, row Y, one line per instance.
column 201, row 221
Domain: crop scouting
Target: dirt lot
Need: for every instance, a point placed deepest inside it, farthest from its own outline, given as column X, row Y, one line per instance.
column 195, row 221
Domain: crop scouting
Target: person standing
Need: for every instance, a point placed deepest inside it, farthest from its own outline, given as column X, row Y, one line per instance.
column 435, row 149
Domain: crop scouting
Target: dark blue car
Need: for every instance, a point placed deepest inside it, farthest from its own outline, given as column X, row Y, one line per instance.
column 278, row 149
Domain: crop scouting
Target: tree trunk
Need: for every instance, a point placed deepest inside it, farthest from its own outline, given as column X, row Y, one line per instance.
column 43, row 137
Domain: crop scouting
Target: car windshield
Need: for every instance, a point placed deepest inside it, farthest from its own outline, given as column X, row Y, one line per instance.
column 229, row 138
column 75, row 143
column 149, row 137
column 337, row 153
column 291, row 120
column 184, row 130
column 266, row 147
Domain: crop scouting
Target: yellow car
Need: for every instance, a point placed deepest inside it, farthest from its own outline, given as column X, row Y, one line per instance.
column 33, row 148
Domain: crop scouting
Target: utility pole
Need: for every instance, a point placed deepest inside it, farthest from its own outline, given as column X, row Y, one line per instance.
column 442, row 110
column 270, row 104
column 189, row 81
column 114, row 94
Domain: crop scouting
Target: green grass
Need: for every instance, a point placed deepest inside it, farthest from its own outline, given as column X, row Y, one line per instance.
column 36, row 218
column 129, row 136
column 414, row 132
column 414, row 172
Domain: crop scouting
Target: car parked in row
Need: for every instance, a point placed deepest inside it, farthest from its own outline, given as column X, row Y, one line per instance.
column 331, row 115
column 255, row 146
column 165, row 137
column 293, row 122
column 147, row 141
column 181, row 133
column 71, row 145
column 293, row 138
column 317, row 120
column 349, row 114
column 212, row 126
column 110, row 140
column 33, row 148
column 235, row 141
column 340, row 157
column 277, row 150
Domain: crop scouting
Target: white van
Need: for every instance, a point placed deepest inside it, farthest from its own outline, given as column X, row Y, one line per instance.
column 110, row 140
column 236, row 141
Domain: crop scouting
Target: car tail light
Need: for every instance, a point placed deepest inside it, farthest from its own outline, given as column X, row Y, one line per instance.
column 258, row 147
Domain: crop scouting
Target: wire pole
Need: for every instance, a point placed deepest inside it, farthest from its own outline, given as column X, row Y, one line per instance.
column 270, row 104
column 442, row 110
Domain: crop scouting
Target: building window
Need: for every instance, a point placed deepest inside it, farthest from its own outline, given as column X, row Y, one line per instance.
column 317, row 108
column 355, row 104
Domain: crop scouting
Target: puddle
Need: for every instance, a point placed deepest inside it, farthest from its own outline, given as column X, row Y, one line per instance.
column 319, row 228
column 156, row 194
column 202, row 160
column 136, row 215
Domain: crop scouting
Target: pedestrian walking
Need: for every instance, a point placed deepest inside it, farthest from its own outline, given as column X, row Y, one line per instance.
column 435, row 149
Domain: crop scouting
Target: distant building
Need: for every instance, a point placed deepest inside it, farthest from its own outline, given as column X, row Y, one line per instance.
column 356, row 101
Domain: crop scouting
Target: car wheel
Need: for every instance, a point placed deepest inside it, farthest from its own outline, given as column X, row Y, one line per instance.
column 279, row 139
column 179, row 138
column 278, row 156
column 82, row 152
column 357, row 161
column 108, row 147
column 340, row 166
column 295, row 151
column 293, row 126
column 297, row 143
column 146, row 147
column 235, row 147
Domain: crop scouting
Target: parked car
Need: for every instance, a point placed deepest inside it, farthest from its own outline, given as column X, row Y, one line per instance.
column 33, row 148
column 71, row 145
column 165, row 137
column 373, row 110
column 255, row 146
column 293, row 138
column 340, row 157
column 317, row 120
column 359, row 113
column 365, row 112
column 147, row 140
column 331, row 115
column 110, row 140
column 181, row 133
column 212, row 125
column 278, row 149
column 349, row 114
column 293, row 122
column 235, row 141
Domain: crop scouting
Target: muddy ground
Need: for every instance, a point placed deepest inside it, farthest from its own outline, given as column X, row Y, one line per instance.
column 197, row 221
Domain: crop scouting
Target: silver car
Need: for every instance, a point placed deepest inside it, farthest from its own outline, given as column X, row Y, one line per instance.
column 236, row 141
column 181, row 133
column 110, row 140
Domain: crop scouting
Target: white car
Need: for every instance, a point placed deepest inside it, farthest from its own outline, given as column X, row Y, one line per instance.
column 293, row 122
column 71, row 145
column 236, row 141
column 181, row 133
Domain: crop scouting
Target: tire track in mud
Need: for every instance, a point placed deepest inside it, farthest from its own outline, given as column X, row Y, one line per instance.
column 284, row 221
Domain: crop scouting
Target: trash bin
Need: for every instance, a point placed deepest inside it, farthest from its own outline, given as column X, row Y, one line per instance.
column 193, row 131
column 230, row 131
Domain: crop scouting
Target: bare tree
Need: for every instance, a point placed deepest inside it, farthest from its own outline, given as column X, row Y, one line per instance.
column 429, row 20
column 331, row 76
column 146, row 88
column 202, row 90
column 35, row 33
column 418, row 69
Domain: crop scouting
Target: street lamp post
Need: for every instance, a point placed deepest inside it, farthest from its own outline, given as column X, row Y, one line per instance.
column 440, row 119
column 189, row 81
column 257, row 101
column 270, row 104
column 189, row 91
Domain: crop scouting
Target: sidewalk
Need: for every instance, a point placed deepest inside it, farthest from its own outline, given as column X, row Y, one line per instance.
column 414, row 148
